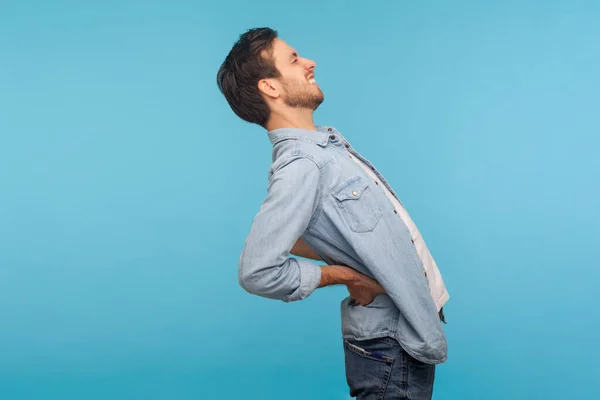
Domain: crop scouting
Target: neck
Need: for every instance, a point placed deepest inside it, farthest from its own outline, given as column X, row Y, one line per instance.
column 301, row 118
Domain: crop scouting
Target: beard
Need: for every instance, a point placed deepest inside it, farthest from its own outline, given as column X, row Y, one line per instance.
column 302, row 96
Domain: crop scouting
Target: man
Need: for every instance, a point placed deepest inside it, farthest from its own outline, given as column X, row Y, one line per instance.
column 327, row 202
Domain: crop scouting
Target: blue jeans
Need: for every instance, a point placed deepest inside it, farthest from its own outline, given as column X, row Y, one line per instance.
column 379, row 369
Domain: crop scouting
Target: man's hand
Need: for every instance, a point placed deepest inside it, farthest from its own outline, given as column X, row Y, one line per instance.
column 362, row 288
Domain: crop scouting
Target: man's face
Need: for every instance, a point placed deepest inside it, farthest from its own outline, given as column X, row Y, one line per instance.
column 299, row 88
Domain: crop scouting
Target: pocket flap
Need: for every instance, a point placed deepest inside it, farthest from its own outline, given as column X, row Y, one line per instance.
column 350, row 190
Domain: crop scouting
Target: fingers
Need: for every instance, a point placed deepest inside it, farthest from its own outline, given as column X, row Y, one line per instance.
column 363, row 302
column 356, row 302
column 379, row 289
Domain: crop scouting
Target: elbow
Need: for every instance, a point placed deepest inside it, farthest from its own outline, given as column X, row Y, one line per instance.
column 249, row 282
column 268, row 282
column 252, row 279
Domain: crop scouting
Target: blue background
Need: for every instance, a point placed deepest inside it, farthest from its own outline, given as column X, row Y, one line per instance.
column 128, row 187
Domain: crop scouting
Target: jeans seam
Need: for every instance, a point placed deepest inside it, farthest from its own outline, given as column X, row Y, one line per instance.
column 386, row 382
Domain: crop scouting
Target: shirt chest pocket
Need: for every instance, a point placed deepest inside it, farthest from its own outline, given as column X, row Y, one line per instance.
column 359, row 206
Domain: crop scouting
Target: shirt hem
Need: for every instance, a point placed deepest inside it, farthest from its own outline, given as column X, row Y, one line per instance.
column 442, row 300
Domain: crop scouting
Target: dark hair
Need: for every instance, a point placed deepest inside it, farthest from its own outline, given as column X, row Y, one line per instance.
column 250, row 60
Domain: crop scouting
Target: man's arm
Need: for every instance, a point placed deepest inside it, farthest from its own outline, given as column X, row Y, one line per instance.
column 302, row 249
column 265, row 268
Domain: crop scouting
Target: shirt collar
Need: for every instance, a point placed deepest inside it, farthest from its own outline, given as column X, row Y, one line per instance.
column 320, row 136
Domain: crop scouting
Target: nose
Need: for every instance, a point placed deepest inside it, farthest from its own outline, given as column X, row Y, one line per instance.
column 310, row 64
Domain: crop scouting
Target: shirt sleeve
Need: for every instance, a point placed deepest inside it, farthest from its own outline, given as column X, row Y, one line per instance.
column 265, row 266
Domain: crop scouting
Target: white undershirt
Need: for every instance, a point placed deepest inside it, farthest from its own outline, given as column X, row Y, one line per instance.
column 436, row 284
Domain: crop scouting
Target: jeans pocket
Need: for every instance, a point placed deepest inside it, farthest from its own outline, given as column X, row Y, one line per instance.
column 367, row 369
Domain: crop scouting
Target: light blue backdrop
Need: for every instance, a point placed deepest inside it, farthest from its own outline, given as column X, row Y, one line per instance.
column 128, row 187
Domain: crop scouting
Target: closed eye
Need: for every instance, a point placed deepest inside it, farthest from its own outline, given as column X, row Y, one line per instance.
column 294, row 57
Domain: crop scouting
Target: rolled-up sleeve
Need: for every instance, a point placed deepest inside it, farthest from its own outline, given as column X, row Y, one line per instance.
column 265, row 266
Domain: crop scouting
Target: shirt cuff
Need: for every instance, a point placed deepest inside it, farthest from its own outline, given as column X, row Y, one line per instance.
column 310, row 278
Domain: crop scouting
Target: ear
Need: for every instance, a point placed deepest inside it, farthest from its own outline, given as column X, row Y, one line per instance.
column 269, row 87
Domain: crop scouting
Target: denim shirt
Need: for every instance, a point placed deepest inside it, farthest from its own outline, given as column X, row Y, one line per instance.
column 315, row 191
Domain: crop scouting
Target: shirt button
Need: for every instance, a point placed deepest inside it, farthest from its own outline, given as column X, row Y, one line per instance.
column 354, row 193
column 332, row 137
column 329, row 129
column 377, row 183
column 395, row 212
column 347, row 146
